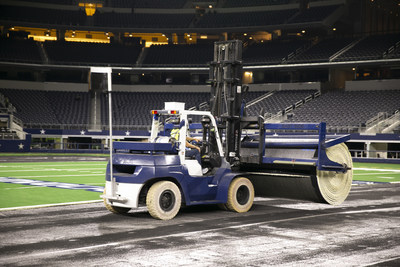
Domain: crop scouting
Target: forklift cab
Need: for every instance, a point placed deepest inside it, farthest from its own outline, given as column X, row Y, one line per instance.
column 172, row 126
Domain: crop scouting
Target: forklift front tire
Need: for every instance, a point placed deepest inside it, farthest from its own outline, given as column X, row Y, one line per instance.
column 240, row 195
column 163, row 200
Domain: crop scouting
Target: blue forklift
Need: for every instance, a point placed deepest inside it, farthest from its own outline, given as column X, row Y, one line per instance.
column 239, row 157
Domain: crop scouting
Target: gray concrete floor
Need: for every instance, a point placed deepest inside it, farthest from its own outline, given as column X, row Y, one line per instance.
column 363, row 231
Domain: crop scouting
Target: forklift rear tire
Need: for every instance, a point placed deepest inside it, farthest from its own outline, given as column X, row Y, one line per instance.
column 240, row 195
column 163, row 200
column 114, row 209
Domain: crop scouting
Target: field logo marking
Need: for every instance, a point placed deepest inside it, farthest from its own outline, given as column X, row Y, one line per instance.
column 91, row 188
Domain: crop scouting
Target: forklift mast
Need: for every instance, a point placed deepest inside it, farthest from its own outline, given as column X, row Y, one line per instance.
column 226, row 94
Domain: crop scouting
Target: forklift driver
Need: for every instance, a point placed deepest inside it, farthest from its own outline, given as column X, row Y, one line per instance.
column 192, row 151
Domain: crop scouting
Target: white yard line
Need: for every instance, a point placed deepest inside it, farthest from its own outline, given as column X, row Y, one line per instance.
column 61, row 185
column 51, row 205
column 373, row 173
column 25, row 187
column 43, row 170
column 60, row 175
column 33, row 187
column 56, row 165
column 377, row 170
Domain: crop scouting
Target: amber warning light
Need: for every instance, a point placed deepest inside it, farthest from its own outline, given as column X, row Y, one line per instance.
column 155, row 112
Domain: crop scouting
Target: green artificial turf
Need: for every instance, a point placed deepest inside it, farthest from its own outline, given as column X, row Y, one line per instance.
column 376, row 172
column 93, row 173
column 15, row 195
column 85, row 172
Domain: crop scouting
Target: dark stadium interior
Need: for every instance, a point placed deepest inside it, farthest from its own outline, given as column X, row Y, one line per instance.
column 296, row 99
column 47, row 47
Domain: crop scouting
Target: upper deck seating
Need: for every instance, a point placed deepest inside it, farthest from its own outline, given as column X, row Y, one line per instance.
column 314, row 14
column 43, row 15
column 164, row 55
column 278, row 101
column 89, row 53
column 19, row 51
column 349, row 108
column 322, row 51
column 246, row 3
column 372, row 47
column 38, row 107
column 246, row 19
column 273, row 52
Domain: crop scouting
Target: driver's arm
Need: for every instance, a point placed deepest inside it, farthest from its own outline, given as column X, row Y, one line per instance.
column 189, row 145
column 188, row 138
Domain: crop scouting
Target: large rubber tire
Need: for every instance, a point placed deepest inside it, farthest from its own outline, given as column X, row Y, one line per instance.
column 163, row 200
column 335, row 186
column 240, row 195
column 114, row 209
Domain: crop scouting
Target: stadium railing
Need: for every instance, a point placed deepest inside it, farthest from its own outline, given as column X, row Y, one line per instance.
column 375, row 154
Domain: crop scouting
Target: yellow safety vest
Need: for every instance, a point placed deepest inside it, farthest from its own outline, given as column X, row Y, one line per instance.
column 175, row 134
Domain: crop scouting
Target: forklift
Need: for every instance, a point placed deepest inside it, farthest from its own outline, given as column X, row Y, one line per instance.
column 243, row 156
